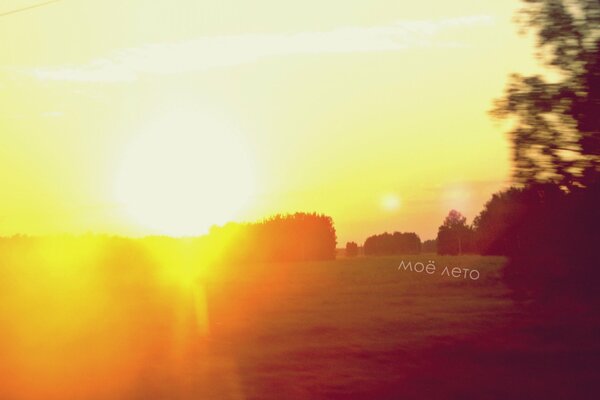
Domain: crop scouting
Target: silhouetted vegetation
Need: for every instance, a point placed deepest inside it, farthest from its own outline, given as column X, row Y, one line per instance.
column 557, row 135
column 396, row 243
column 351, row 249
column 429, row 246
column 512, row 217
column 550, row 226
column 550, row 235
column 455, row 236
column 294, row 237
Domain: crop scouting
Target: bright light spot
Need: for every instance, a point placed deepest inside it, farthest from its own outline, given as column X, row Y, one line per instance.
column 457, row 196
column 390, row 202
column 184, row 173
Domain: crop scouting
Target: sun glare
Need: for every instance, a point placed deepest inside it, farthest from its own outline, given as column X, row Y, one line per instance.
column 456, row 196
column 390, row 202
column 184, row 173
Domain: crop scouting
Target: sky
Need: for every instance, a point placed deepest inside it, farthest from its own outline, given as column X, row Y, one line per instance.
column 164, row 117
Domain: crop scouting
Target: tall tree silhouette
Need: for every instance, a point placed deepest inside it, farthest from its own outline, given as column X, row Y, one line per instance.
column 557, row 133
column 454, row 235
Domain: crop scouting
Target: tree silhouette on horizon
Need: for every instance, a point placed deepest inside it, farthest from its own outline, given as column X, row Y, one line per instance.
column 454, row 235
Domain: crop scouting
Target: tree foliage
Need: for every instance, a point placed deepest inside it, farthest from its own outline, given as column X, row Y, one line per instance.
column 396, row 243
column 557, row 132
column 283, row 238
column 429, row 246
column 351, row 249
column 515, row 220
column 454, row 235
column 550, row 236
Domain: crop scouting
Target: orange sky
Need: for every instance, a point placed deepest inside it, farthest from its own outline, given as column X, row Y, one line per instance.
column 144, row 117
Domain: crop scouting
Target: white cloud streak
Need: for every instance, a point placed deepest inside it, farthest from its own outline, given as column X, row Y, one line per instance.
column 210, row 52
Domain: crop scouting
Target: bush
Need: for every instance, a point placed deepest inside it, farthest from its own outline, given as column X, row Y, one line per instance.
column 351, row 249
column 396, row 243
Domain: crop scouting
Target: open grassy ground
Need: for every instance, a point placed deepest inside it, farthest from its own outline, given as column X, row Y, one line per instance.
column 346, row 329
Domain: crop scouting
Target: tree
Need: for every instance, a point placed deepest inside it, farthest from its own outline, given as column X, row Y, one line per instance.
column 557, row 133
column 351, row 249
column 454, row 235
column 549, row 236
column 521, row 220
column 429, row 246
column 396, row 243
column 281, row 238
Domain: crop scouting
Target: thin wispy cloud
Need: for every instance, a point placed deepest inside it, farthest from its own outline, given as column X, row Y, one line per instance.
column 210, row 52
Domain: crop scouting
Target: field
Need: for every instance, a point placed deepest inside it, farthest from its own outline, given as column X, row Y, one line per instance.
column 347, row 329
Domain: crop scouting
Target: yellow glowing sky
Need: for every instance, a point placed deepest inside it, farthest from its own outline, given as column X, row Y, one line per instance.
column 373, row 112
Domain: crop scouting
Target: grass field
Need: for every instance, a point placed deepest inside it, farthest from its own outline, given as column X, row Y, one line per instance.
column 347, row 329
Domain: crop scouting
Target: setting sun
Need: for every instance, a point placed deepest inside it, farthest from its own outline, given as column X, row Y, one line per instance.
column 183, row 173
column 265, row 200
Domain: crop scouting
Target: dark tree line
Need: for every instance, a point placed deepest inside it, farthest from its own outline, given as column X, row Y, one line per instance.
column 512, row 219
column 396, row 243
column 549, row 225
column 550, row 235
column 282, row 238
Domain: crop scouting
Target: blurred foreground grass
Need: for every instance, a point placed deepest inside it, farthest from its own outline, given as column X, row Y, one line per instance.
column 122, row 325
